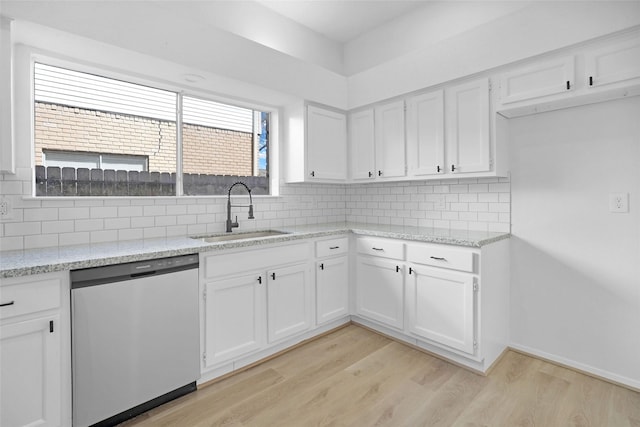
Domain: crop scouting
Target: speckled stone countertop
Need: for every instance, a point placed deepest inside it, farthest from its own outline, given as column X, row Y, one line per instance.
column 46, row 260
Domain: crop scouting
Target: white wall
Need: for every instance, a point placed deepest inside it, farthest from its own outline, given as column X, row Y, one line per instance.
column 541, row 27
column 576, row 266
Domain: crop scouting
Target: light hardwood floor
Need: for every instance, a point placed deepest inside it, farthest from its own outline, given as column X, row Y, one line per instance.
column 355, row 377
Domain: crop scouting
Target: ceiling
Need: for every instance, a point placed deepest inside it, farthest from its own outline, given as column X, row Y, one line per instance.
column 342, row 20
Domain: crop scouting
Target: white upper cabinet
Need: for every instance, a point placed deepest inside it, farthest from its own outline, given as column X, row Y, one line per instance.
column 390, row 140
column 315, row 147
column 605, row 70
column 326, row 144
column 425, row 134
column 362, row 145
column 468, row 127
column 537, row 80
column 618, row 62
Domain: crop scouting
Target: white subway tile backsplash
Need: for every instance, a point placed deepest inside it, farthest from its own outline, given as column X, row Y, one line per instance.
column 22, row 229
column 15, row 243
column 73, row 213
column 478, row 204
column 78, row 238
column 56, row 227
column 103, row 212
column 42, row 214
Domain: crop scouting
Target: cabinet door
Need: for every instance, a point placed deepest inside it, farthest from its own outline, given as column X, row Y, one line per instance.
column 288, row 301
column 234, row 316
column 7, row 158
column 468, row 138
column 362, row 145
column 441, row 307
column 380, row 291
column 613, row 64
column 425, row 134
column 390, row 140
column 31, row 368
column 326, row 144
column 538, row 80
column 332, row 289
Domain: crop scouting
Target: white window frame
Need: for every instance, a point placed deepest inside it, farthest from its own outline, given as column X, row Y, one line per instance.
column 26, row 57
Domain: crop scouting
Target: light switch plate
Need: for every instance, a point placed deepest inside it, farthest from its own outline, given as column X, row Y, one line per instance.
column 619, row 202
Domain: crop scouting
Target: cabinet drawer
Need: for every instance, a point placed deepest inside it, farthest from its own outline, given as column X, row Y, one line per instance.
column 442, row 256
column 385, row 248
column 26, row 298
column 254, row 259
column 331, row 247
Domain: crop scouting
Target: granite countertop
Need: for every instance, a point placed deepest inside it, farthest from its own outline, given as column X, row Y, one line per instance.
column 46, row 260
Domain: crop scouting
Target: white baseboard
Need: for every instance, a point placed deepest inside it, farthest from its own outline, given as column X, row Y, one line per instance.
column 577, row 366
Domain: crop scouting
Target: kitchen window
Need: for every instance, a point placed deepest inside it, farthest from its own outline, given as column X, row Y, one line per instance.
column 97, row 136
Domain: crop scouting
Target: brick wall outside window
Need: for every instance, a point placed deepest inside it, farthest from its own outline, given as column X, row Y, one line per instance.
column 206, row 150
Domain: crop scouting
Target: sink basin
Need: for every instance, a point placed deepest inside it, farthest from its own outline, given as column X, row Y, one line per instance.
column 241, row 236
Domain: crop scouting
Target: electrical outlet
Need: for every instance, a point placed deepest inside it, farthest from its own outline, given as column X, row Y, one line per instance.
column 619, row 202
column 6, row 212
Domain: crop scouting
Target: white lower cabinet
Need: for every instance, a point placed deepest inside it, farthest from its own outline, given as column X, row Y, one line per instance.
column 246, row 311
column 31, row 380
column 235, row 317
column 288, row 301
column 332, row 289
column 440, row 307
column 380, row 290
column 35, row 367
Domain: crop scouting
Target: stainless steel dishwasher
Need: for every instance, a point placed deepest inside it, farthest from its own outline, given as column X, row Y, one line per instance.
column 135, row 339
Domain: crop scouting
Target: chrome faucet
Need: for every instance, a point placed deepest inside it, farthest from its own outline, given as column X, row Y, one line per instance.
column 231, row 225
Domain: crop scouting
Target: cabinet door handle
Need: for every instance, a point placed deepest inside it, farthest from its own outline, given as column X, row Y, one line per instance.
column 590, row 80
column 370, row 174
column 397, row 268
column 50, row 326
column 260, row 280
column 334, row 247
column 568, row 85
column 377, row 249
column 438, row 169
column 313, row 173
column 410, row 270
column 438, row 258
column 4, row 304
column 273, row 276
column 453, row 168
column 322, row 266
column 379, row 173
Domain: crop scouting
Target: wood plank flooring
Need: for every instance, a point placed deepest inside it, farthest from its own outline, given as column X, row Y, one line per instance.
column 355, row 377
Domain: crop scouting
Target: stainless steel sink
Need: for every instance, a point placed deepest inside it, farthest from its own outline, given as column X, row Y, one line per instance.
column 240, row 236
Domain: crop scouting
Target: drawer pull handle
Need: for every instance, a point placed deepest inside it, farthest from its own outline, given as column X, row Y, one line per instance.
column 377, row 249
column 334, row 247
column 438, row 258
column 4, row 304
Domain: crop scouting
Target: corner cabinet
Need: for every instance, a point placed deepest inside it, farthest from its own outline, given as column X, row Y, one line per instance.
column 362, row 155
column 316, row 144
column 390, row 140
column 377, row 141
column 34, row 333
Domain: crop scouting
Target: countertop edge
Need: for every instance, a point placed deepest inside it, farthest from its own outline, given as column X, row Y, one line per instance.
column 198, row 246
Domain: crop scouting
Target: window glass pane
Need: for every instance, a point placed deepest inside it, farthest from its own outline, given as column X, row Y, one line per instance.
column 222, row 144
column 129, row 128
